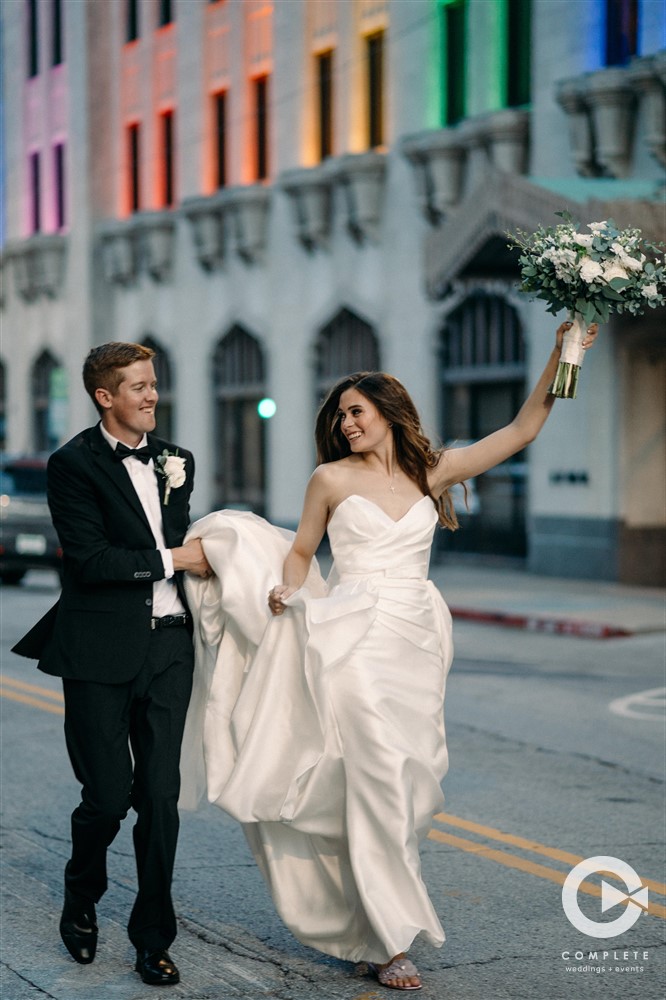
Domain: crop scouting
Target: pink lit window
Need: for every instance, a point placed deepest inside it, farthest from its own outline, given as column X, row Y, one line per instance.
column 59, row 185
column 35, row 193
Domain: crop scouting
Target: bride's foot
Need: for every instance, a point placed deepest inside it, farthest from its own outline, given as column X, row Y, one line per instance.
column 398, row 974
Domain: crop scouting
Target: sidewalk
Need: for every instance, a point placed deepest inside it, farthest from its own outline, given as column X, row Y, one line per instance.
column 519, row 599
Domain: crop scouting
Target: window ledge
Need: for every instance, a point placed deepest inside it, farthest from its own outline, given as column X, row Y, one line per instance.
column 246, row 208
column 142, row 243
column 206, row 218
column 310, row 191
column 445, row 158
column 38, row 263
column 361, row 176
column 602, row 108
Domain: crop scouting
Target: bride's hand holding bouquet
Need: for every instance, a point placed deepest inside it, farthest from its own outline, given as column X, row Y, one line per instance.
column 592, row 275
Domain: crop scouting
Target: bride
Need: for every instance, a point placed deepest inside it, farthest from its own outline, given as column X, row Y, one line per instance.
column 317, row 720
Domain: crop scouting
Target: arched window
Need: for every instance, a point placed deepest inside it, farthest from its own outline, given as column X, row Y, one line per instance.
column 482, row 378
column 49, row 402
column 240, row 438
column 165, row 406
column 346, row 344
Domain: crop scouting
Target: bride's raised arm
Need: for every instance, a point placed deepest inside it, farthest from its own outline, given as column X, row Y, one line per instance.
column 458, row 464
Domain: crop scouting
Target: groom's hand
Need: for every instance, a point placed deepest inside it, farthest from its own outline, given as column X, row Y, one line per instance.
column 191, row 558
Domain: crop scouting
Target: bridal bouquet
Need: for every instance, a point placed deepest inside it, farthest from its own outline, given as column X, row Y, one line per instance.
column 592, row 275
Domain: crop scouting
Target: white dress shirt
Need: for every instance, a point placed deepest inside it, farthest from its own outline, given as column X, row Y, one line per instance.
column 144, row 480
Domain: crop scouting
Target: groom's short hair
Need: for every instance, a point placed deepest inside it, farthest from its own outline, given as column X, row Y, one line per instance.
column 103, row 368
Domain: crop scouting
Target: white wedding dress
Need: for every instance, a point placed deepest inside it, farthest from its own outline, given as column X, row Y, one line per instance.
column 322, row 730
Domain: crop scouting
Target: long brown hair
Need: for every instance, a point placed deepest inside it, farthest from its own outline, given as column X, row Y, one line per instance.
column 413, row 450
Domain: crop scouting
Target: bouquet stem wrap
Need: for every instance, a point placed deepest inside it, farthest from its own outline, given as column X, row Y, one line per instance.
column 565, row 382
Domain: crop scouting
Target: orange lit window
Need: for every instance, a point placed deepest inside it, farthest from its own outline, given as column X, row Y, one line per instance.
column 220, row 138
column 131, row 20
column 375, row 50
column 133, row 165
column 325, row 103
column 261, row 123
column 167, row 127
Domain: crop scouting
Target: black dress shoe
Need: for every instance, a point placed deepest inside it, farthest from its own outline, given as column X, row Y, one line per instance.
column 78, row 929
column 156, row 968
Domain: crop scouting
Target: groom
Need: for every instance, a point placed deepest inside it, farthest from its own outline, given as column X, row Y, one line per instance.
column 121, row 638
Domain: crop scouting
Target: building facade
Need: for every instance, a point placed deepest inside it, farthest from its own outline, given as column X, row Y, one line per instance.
column 273, row 193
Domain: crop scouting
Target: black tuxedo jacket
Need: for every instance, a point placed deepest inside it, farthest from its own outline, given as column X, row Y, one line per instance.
column 100, row 628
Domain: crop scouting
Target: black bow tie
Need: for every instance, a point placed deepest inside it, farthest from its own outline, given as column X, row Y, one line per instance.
column 122, row 451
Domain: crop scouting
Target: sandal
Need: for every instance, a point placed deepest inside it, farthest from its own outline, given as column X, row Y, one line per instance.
column 401, row 968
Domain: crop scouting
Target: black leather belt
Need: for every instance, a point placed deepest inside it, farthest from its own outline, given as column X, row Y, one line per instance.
column 170, row 621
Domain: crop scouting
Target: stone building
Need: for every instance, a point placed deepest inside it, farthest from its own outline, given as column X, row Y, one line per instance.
column 272, row 193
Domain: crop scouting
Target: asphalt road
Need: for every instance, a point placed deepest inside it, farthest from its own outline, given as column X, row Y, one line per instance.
column 557, row 755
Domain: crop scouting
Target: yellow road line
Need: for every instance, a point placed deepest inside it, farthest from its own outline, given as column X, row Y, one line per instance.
column 33, row 688
column 528, row 845
column 524, row 865
column 502, row 857
column 35, row 702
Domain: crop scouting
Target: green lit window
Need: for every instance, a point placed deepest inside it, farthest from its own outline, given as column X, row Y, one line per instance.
column 518, row 52
column 454, row 60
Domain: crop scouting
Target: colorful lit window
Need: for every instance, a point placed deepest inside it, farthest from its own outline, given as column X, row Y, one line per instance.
column 131, row 20
column 325, row 103
column 167, row 129
column 621, row 31
column 519, row 48
column 166, row 12
column 133, row 165
column 59, row 184
column 35, row 193
column 57, row 41
column 220, row 138
column 454, row 52
column 261, row 123
column 375, row 52
column 32, row 37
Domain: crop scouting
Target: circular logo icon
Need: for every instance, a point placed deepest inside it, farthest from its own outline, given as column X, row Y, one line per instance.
column 635, row 899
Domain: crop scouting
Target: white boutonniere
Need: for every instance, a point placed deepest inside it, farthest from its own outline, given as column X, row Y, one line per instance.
column 172, row 467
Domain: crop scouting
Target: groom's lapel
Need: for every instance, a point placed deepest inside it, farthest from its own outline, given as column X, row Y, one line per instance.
column 102, row 454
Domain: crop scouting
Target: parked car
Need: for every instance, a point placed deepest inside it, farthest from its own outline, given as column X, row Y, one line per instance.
column 28, row 539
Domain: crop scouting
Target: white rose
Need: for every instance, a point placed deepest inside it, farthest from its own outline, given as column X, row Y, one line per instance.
column 590, row 269
column 614, row 270
column 649, row 291
column 596, row 227
column 584, row 239
column 174, row 470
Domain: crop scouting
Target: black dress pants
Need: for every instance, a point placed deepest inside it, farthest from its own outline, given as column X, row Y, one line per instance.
column 102, row 723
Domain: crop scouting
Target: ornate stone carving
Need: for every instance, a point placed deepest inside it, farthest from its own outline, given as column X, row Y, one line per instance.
column 438, row 158
column 570, row 95
column 157, row 233
column 448, row 161
column 247, row 210
column 310, row 193
column 118, row 245
column 649, row 77
column 206, row 218
column 361, row 177
column 38, row 264
column 612, row 100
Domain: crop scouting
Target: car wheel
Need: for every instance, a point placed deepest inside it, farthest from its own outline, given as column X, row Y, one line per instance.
column 12, row 577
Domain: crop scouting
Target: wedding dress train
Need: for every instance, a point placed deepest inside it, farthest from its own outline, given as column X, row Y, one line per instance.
column 322, row 730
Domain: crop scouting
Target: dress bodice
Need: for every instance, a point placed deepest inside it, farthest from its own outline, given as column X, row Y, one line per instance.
column 365, row 541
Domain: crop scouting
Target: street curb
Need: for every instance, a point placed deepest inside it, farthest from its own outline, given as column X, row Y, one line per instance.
column 534, row 623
